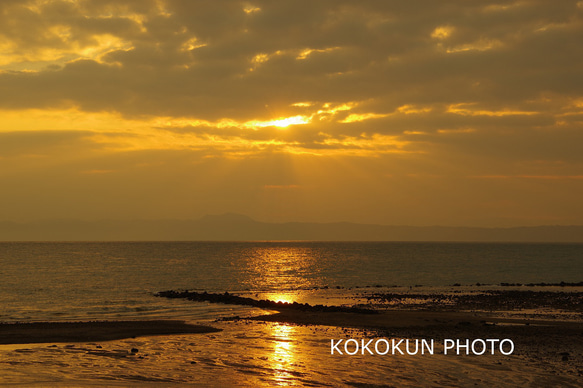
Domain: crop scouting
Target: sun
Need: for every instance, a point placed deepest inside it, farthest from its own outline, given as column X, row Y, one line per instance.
column 284, row 122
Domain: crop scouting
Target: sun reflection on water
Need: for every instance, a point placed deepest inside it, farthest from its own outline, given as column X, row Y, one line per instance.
column 280, row 268
column 283, row 274
column 280, row 297
column 283, row 357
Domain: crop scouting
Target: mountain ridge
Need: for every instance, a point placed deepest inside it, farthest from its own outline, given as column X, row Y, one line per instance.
column 237, row 227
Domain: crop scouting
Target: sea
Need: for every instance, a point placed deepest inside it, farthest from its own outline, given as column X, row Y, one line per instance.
column 81, row 281
column 56, row 281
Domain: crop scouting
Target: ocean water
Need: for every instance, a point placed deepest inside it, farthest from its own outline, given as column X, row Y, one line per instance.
column 55, row 281
column 117, row 280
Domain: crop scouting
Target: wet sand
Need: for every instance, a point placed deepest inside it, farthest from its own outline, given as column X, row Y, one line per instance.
column 261, row 354
column 49, row 332
column 550, row 345
column 410, row 319
column 546, row 339
column 292, row 347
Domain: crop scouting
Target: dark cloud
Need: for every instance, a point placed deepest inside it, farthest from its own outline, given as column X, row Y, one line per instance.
column 381, row 51
column 433, row 89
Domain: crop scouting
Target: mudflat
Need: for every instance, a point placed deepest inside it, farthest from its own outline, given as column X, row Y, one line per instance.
column 48, row 332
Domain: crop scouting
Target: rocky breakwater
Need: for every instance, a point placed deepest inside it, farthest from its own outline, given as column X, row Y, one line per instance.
column 228, row 298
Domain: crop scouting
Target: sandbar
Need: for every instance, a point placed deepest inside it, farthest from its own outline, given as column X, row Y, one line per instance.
column 90, row 331
column 394, row 319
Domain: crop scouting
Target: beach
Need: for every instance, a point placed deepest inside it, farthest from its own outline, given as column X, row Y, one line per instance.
column 292, row 347
column 43, row 332
column 268, row 313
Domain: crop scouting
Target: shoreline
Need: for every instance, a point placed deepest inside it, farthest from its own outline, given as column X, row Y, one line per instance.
column 295, row 344
column 93, row 331
column 550, row 346
column 406, row 319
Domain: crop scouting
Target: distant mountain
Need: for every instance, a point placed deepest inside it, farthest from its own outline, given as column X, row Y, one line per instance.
column 236, row 227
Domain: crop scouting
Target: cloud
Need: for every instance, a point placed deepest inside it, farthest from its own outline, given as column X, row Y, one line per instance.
column 184, row 58
column 424, row 88
column 41, row 143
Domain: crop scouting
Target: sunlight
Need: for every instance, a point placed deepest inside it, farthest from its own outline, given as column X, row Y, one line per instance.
column 307, row 52
column 412, row 109
column 464, row 109
column 283, row 356
column 191, row 44
column 251, row 9
column 443, row 32
column 281, row 123
column 278, row 268
column 302, row 104
column 281, row 297
column 328, row 109
column 356, row 117
column 481, row 45
column 104, row 43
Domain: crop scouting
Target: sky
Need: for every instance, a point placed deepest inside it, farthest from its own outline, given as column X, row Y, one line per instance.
column 453, row 112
